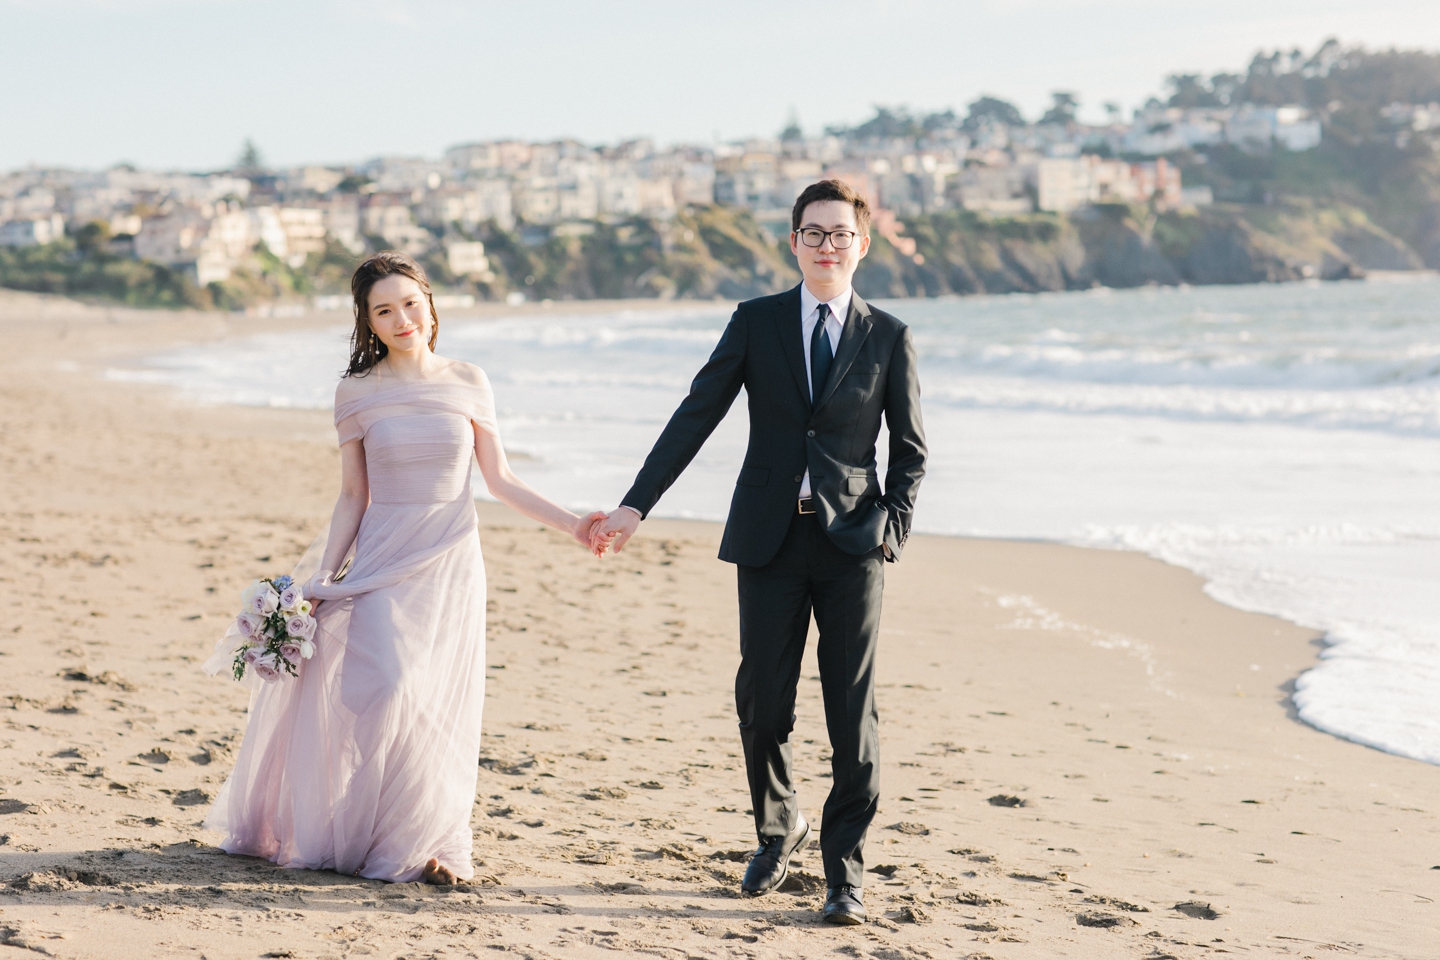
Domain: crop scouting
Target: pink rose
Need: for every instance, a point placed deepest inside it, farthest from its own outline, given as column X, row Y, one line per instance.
column 290, row 597
column 291, row 652
column 301, row 626
column 266, row 667
column 252, row 654
column 265, row 602
column 251, row 624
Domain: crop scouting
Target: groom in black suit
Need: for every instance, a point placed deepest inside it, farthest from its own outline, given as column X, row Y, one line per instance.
column 810, row 527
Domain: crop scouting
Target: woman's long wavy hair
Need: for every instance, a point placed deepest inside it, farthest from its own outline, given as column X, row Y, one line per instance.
column 366, row 349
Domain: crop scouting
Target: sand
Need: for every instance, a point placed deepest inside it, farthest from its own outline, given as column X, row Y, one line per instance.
column 1084, row 756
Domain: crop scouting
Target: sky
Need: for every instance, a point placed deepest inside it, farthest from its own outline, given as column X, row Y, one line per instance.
column 181, row 84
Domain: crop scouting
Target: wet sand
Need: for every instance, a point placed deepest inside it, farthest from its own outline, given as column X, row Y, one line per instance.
column 1084, row 756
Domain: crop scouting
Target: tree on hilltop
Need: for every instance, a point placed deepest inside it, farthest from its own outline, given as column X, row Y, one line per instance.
column 1062, row 108
column 889, row 123
column 250, row 159
column 988, row 110
column 792, row 129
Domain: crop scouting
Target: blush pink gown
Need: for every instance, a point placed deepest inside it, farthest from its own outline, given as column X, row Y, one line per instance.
column 366, row 764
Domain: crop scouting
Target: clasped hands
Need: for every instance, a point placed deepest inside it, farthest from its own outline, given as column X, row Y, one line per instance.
column 599, row 532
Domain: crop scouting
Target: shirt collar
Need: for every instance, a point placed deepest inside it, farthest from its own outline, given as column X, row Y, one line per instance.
column 839, row 307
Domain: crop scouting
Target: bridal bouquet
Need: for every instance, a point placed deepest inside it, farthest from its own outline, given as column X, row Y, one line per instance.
column 275, row 630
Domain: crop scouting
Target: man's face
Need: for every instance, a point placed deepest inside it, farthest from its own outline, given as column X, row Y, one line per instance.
column 828, row 266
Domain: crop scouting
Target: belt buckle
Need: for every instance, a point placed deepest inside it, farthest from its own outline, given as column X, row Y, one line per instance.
column 803, row 503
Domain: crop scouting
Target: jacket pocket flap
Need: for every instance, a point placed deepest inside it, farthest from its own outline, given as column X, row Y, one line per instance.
column 863, row 369
column 859, row 486
column 753, row 476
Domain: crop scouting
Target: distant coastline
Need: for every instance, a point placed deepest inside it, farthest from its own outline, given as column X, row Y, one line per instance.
column 1322, row 165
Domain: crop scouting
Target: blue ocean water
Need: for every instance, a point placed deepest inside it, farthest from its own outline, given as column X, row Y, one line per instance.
column 1281, row 441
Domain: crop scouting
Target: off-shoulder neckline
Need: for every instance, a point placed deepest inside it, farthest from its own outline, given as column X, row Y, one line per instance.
column 404, row 384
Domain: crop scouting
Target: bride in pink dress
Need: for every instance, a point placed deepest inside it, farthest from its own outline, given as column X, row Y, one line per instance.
column 366, row 764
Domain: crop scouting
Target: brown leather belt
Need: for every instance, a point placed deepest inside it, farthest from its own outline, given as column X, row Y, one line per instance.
column 807, row 506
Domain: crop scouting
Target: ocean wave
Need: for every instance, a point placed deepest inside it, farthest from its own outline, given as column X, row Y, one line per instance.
column 1404, row 410
column 1102, row 419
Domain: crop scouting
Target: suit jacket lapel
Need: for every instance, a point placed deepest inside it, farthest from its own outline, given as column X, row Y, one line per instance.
column 857, row 328
column 787, row 324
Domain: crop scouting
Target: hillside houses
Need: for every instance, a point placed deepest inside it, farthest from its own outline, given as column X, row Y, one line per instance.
column 213, row 225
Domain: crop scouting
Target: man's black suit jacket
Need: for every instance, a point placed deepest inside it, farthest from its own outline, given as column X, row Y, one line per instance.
column 762, row 350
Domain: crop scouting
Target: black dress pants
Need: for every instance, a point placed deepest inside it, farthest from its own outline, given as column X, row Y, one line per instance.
column 810, row 573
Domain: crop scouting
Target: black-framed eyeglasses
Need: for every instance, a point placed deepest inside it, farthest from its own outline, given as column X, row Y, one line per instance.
column 840, row 239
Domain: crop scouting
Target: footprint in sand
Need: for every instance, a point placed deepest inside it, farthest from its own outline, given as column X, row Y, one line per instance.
column 1197, row 910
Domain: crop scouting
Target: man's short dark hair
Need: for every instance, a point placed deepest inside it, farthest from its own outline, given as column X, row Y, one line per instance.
column 832, row 190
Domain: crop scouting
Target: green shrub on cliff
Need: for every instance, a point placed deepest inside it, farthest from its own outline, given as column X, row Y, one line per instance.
column 64, row 268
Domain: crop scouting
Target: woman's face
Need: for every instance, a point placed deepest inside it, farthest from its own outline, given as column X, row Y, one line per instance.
column 400, row 314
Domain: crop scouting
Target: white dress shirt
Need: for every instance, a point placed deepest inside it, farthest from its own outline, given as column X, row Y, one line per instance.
column 834, row 326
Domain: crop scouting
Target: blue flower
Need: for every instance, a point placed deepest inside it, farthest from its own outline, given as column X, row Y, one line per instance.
column 282, row 583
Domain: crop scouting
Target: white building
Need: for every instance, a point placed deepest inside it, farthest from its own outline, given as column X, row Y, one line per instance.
column 230, row 233
column 1258, row 129
column 993, row 189
column 695, row 185
column 619, row 195
column 493, row 201
column 657, row 198
column 304, row 229
column 171, row 238
column 470, row 204
column 467, row 259
column 34, row 202
column 212, row 247
column 341, row 216
column 32, row 231
column 317, row 179
column 389, row 217
column 406, row 174
column 1161, row 130
column 536, row 199
column 266, row 228
column 1063, row 184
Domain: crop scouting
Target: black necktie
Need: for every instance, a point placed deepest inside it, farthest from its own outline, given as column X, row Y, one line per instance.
column 820, row 355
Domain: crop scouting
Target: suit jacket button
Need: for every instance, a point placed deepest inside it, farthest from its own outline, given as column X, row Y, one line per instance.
column 799, row 477
column 809, row 433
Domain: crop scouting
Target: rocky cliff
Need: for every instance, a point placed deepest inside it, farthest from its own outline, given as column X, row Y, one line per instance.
column 1118, row 246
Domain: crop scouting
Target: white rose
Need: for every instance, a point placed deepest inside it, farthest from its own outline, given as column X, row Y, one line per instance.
column 307, row 649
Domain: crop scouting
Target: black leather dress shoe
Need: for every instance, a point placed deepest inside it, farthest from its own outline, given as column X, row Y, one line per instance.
column 844, row 906
column 772, row 861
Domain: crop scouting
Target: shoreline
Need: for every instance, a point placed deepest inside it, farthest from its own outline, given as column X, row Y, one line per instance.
column 314, row 319
column 266, row 320
column 1075, row 741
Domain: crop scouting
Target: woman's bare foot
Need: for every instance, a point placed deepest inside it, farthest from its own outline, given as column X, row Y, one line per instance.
column 437, row 873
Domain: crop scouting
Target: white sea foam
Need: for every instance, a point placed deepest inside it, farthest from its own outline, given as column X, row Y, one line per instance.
column 1281, row 441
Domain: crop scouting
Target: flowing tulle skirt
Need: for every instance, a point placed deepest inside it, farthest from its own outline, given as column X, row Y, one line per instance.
column 366, row 764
